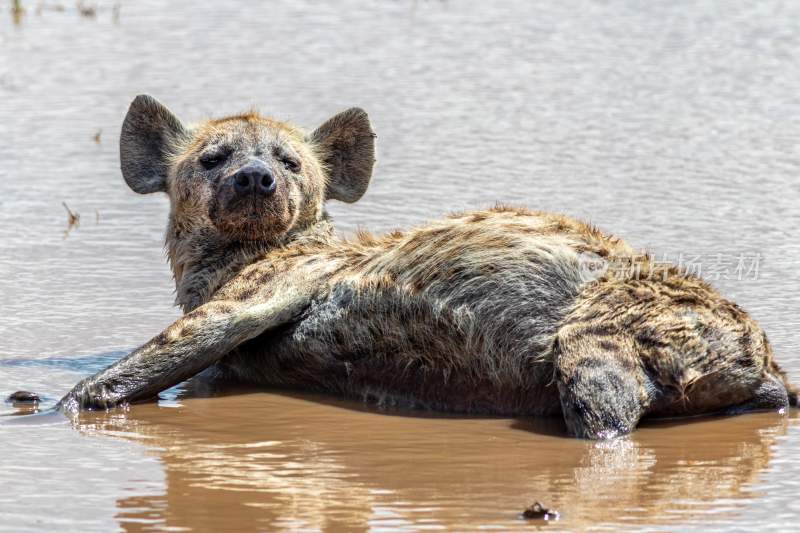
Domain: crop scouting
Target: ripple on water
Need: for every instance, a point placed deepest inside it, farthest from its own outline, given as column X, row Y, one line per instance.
column 672, row 124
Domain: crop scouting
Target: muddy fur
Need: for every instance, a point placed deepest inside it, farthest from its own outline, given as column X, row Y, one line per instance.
column 490, row 312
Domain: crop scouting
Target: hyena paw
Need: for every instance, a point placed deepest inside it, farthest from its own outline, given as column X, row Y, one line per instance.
column 88, row 396
column 600, row 403
column 770, row 395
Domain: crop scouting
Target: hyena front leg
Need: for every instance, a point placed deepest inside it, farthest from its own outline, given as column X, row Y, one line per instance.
column 194, row 342
column 603, row 388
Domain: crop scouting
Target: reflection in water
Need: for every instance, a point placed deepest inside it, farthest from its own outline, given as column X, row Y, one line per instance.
column 288, row 462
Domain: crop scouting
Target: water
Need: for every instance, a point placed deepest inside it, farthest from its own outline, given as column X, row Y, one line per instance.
column 672, row 124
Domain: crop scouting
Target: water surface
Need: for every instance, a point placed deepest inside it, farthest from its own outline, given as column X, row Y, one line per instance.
column 671, row 124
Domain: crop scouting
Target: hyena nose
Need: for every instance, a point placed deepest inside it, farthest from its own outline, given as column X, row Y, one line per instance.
column 254, row 177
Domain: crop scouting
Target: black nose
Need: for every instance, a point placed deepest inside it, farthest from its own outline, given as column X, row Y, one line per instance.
column 254, row 176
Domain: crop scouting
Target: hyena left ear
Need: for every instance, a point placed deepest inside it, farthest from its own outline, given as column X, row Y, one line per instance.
column 346, row 145
column 149, row 133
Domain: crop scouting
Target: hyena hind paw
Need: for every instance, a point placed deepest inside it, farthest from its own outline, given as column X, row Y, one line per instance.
column 601, row 405
column 771, row 394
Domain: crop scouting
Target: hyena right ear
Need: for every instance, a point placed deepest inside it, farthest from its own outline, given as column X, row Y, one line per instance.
column 148, row 133
column 346, row 145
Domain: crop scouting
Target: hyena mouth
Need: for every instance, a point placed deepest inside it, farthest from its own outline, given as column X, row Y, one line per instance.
column 254, row 215
column 254, row 220
column 250, row 210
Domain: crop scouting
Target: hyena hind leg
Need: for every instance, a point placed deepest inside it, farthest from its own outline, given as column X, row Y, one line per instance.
column 604, row 391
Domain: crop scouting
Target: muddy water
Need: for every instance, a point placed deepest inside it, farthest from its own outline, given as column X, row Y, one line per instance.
column 673, row 124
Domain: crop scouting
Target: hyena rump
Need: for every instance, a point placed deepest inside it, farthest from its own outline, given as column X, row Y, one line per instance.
column 487, row 312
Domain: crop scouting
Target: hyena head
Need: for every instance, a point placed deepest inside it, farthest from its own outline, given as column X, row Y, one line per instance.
column 242, row 179
column 245, row 177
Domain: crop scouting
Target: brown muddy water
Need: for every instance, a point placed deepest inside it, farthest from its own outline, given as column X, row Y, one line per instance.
column 672, row 124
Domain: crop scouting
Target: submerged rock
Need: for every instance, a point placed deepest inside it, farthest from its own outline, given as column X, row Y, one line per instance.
column 23, row 396
column 537, row 511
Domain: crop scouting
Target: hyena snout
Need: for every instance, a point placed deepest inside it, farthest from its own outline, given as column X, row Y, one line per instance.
column 252, row 202
column 251, row 191
column 254, row 178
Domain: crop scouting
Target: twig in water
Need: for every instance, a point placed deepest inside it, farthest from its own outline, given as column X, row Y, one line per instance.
column 73, row 219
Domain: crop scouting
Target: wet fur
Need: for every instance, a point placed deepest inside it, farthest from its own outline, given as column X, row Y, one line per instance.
column 488, row 312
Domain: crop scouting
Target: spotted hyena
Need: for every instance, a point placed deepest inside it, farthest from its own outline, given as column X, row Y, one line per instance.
column 494, row 312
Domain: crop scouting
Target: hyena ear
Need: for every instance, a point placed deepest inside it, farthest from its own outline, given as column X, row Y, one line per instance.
column 148, row 133
column 346, row 145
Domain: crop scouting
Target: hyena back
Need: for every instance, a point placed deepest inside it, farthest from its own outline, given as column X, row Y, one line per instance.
column 489, row 312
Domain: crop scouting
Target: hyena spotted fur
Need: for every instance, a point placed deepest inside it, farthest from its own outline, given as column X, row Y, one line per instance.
column 488, row 312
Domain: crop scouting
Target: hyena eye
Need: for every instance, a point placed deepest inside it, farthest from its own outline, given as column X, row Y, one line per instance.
column 291, row 164
column 213, row 160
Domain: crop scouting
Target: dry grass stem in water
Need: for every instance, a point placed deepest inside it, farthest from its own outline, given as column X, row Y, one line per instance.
column 86, row 10
column 17, row 11
column 73, row 219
